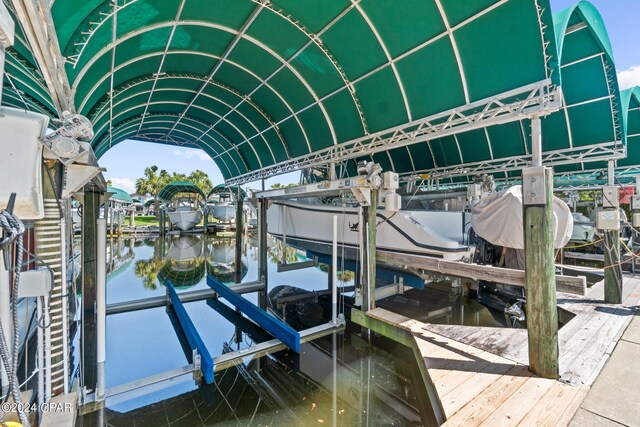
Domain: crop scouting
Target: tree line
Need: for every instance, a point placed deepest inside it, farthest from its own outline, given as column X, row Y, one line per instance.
column 155, row 179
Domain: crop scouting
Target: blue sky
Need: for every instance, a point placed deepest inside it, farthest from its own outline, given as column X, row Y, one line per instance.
column 127, row 160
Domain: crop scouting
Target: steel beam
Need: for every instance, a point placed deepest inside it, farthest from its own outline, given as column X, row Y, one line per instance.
column 268, row 322
column 195, row 341
column 191, row 296
column 38, row 26
column 540, row 97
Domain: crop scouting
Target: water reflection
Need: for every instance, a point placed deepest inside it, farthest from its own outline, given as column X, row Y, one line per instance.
column 342, row 377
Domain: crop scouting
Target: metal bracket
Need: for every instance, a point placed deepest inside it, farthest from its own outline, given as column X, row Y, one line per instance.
column 610, row 197
column 363, row 195
column 534, row 191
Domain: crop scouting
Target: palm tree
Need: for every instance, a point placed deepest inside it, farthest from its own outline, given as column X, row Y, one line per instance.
column 201, row 179
column 152, row 182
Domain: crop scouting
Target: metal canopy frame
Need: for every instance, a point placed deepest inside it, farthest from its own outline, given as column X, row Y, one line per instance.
column 539, row 98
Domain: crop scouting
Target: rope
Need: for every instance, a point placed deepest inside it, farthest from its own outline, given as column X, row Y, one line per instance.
column 586, row 244
column 14, row 229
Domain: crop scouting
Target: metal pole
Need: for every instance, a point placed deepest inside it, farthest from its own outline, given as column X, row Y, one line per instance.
column 610, row 172
column 334, row 400
column 101, row 305
column 238, row 248
column 262, row 251
column 536, row 141
column 47, row 349
column 40, row 352
column 65, row 301
column 334, row 273
column 5, row 315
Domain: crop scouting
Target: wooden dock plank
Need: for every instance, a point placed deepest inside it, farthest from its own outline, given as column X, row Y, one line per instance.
column 572, row 407
column 485, row 403
column 456, row 398
column 545, row 413
column 514, row 409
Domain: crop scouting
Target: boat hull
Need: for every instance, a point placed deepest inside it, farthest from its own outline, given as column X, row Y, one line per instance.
column 310, row 226
column 224, row 213
column 185, row 220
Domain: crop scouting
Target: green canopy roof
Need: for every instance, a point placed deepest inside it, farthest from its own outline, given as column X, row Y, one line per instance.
column 149, row 201
column 120, row 195
column 631, row 113
column 169, row 191
column 233, row 189
column 284, row 83
column 588, row 126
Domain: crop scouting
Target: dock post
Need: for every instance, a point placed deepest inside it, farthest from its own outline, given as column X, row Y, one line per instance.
column 262, row 250
column 369, row 256
column 90, row 213
column 205, row 220
column 239, row 224
column 540, row 279
column 101, row 306
column 612, row 266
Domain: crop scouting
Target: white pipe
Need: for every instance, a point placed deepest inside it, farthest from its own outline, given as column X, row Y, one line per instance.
column 64, row 292
column 101, row 304
column 40, row 353
column 334, row 273
column 536, row 141
column 5, row 316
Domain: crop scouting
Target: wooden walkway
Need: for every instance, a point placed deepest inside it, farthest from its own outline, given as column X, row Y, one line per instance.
column 479, row 388
column 585, row 342
column 480, row 374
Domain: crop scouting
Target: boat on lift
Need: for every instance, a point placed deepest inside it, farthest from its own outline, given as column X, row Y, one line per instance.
column 224, row 201
column 183, row 204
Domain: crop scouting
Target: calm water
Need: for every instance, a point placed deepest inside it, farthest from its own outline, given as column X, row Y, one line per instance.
column 375, row 383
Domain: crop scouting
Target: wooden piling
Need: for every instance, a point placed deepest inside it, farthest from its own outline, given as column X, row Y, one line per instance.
column 263, row 250
column 239, row 227
column 542, row 312
column 612, row 267
column 90, row 214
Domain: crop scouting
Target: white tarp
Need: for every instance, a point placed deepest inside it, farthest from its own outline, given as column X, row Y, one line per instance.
column 498, row 219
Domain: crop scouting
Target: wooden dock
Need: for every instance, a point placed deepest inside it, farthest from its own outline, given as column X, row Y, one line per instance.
column 481, row 376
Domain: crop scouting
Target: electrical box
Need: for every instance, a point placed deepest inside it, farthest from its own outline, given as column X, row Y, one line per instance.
column 608, row 220
column 390, row 181
column 22, row 158
column 610, row 197
column 636, row 220
column 635, row 203
column 392, row 202
column 35, row 283
column 534, row 190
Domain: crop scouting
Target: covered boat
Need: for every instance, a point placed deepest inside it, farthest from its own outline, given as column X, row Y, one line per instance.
column 183, row 201
column 431, row 233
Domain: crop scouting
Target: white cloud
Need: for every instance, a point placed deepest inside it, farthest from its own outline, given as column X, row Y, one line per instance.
column 629, row 78
column 125, row 184
column 188, row 154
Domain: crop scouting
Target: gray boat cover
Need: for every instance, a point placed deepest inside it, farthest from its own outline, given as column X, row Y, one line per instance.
column 497, row 218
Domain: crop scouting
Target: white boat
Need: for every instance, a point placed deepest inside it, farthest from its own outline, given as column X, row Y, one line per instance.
column 185, row 248
column 432, row 233
column 185, row 219
column 224, row 211
column 584, row 230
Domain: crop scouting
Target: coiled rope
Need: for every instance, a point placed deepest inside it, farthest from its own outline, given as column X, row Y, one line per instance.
column 14, row 229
